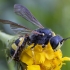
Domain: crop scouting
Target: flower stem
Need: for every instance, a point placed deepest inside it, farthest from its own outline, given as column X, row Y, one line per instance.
column 5, row 37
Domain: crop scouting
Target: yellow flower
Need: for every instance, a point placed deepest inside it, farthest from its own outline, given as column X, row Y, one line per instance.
column 38, row 58
column 45, row 58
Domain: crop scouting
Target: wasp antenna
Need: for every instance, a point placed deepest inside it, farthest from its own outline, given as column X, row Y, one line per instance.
column 65, row 39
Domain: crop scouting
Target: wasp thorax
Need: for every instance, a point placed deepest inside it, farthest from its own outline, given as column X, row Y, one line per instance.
column 56, row 42
column 41, row 38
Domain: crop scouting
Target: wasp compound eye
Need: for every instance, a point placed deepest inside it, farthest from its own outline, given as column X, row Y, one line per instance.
column 56, row 42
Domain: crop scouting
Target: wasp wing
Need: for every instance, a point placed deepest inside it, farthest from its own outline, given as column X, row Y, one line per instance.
column 19, row 29
column 26, row 14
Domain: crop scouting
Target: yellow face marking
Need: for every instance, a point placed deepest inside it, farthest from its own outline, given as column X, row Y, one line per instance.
column 58, row 47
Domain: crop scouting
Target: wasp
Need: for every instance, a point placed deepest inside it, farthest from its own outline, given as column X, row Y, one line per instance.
column 40, row 36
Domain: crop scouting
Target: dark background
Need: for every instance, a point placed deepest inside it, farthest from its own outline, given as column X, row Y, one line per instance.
column 54, row 14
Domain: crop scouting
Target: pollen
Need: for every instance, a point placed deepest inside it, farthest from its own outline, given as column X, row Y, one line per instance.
column 45, row 58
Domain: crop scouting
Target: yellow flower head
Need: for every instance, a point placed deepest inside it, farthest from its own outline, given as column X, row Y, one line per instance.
column 39, row 58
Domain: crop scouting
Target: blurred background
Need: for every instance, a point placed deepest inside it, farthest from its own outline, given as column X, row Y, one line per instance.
column 53, row 14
